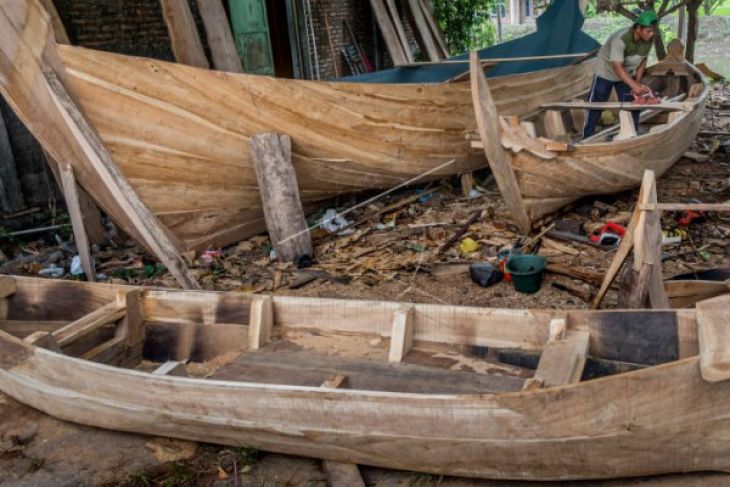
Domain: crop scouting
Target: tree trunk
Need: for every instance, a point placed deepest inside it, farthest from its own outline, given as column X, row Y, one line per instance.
column 692, row 7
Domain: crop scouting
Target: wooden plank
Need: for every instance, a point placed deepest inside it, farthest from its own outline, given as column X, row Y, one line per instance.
column 399, row 29
column 220, row 38
column 627, row 129
column 261, row 322
column 59, row 31
column 714, row 339
column 498, row 60
column 467, row 184
column 392, row 43
column 427, row 9
column 184, row 37
column 110, row 313
column 25, row 328
column 666, row 106
column 271, row 154
column 43, row 339
column 562, row 361
column 173, row 368
column 401, row 339
column 153, row 233
column 110, row 352
column 71, row 195
column 499, row 159
column 553, row 121
column 423, row 31
column 686, row 207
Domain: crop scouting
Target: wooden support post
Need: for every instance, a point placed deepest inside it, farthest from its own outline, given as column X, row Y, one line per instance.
column 401, row 338
column 220, row 39
column 132, row 326
column 627, row 130
column 280, row 199
column 7, row 289
column 499, row 159
column 467, row 184
column 71, row 195
column 261, row 322
column 529, row 128
column 173, row 368
column 340, row 474
column 184, row 36
column 554, row 126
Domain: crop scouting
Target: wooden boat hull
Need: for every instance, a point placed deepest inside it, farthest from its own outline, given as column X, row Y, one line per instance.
column 180, row 134
column 661, row 419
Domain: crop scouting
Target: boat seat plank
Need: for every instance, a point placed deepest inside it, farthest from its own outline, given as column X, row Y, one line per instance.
column 284, row 362
column 110, row 313
column 563, row 360
column 173, row 368
column 714, row 338
column 666, row 106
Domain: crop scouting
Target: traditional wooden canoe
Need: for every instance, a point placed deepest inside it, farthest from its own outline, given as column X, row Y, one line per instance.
column 540, row 170
column 179, row 135
column 430, row 388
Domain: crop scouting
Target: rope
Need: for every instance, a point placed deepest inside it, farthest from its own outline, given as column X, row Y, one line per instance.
column 368, row 201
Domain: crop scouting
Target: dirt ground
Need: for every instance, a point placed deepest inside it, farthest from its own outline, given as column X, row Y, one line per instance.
column 397, row 255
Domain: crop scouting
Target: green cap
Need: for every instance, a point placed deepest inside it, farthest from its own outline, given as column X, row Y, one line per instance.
column 647, row 18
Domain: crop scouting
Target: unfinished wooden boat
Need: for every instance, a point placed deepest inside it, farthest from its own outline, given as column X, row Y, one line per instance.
column 542, row 165
column 179, row 135
column 431, row 388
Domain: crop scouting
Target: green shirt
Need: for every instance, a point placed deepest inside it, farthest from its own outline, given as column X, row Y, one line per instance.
column 621, row 47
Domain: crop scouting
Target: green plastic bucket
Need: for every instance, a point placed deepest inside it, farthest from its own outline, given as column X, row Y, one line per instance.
column 526, row 271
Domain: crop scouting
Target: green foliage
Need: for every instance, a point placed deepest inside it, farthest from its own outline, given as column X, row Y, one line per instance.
column 465, row 23
column 708, row 6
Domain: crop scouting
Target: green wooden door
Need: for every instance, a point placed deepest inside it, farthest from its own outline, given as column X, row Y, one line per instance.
column 251, row 31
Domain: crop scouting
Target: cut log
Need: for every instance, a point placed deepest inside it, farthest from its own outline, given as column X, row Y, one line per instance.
column 280, row 199
column 401, row 338
column 70, row 193
column 499, row 159
column 220, row 39
column 184, row 37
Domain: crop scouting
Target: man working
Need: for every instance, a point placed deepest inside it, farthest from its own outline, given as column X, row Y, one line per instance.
column 621, row 63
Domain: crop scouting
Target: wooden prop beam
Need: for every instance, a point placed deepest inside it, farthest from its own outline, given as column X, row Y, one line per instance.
column 11, row 193
column 617, row 105
column 390, row 36
column 399, row 29
column 438, row 36
column 423, row 31
column 499, row 159
column 70, row 192
column 152, row 231
column 271, row 154
column 184, row 37
column 220, row 39
column 687, row 207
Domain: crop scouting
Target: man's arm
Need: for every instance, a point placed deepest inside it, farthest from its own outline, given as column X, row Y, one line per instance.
column 635, row 86
column 640, row 71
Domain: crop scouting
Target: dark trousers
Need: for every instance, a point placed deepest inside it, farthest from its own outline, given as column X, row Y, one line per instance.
column 601, row 91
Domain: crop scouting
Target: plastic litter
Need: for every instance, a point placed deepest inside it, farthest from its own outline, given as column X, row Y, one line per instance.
column 210, row 255
column 468, row 245
column 485, row 274
column 332, row 222
column 474, row 193
column 52, row 271
column 76, row 268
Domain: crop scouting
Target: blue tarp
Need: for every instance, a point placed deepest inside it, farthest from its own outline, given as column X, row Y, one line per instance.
column 558, row 32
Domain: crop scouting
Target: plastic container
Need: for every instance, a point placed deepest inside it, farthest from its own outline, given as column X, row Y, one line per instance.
column 526, row 271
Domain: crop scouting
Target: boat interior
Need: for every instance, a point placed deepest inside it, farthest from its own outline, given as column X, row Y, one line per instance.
column 674, row 82
column 313, row 342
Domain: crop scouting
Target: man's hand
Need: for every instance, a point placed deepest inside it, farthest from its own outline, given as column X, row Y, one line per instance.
column 640, row 89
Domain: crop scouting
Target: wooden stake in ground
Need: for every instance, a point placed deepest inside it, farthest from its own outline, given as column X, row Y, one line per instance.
column 271, row 154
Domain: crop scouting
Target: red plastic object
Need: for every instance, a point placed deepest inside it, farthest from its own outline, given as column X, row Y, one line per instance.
column 688, row 217
column 610, row 234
